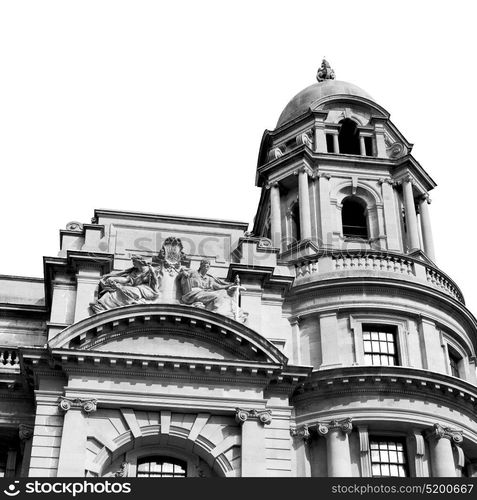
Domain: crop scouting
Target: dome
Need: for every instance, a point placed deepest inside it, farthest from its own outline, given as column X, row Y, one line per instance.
column 304, row 99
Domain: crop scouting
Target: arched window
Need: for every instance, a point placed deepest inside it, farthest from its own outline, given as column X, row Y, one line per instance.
column 158, row 466
column 348, row 137
column 353, row 216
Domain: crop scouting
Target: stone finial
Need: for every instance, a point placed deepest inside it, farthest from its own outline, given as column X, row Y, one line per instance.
column 263, row 416
column 325, row 72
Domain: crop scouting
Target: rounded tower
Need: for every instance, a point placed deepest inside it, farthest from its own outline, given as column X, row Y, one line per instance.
column 392, row 345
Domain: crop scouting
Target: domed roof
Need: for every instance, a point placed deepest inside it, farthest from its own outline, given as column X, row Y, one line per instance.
column 304, row 99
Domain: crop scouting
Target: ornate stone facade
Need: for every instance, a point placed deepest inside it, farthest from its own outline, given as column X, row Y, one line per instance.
column 326, row 341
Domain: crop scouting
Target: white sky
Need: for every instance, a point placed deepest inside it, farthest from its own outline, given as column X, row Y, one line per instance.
column 160, row 107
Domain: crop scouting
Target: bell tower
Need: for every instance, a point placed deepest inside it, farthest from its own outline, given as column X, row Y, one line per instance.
column 345, row 206
column 336, row 174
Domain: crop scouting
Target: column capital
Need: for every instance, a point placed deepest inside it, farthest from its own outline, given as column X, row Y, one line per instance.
column 387, row 180
column 426, row 197
column 439, row 431
column 273, row 184
column 344, row 425
column 25, row 432
column 263, row 416
column 86, row 405
column 301, row 432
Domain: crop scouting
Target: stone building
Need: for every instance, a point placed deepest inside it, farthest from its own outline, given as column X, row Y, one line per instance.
column 325, row 342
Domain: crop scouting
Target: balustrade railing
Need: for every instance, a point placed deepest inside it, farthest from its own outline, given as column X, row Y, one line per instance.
column 330, row 262
column 373, row 262
column 9, row 358
column 439, row 280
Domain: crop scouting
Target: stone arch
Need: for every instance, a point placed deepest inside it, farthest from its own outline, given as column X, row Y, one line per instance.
column 371, row 200
column 219, row 448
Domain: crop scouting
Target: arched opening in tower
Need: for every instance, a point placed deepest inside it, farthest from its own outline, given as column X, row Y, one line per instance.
column 348, row 137
column 353, row 216
column 295, row 219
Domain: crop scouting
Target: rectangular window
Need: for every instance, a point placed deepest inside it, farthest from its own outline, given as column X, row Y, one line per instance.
column 379, row 342
column 329, row 143
column 454, row 360
column 388, row 458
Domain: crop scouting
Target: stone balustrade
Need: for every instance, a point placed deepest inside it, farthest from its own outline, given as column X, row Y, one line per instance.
column 9, row 358
column 440, row 280
column 323, row 265
column 373, row 262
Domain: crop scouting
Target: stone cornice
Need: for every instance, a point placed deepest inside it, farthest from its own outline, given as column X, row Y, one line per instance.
column 269, row 376
column 405, row 381
column 170, row 219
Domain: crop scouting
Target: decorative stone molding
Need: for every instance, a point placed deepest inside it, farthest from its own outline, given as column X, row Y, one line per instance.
column 274, row 184
column 300, row 432
column 74, row 226
column 263, row 416
column 388, row 180
column 304, row 139
column 345, row 425
column 426, row 197
column 275, row 153
column 440, row 431
column 86, row 405
column 25, row 432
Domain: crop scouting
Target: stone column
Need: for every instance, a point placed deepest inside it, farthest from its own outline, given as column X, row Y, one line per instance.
column 87, row 279
column 411, row 217
column 426, row 227
column 275, row 216
column 25, row 432
column 304, row 199
column 253, row 440
column 440, row 445
column 336, row 144
column 72, row 457
column 301, row 441
column 362, row 146
column 337, row 446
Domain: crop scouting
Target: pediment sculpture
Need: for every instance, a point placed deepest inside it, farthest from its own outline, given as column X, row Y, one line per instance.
column 169, row 279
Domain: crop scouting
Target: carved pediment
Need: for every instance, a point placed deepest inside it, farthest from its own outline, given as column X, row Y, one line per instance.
column 168, row 330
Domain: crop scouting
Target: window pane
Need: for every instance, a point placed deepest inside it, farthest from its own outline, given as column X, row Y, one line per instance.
column 387, row 458
column 161, row 467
